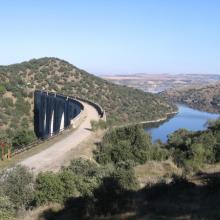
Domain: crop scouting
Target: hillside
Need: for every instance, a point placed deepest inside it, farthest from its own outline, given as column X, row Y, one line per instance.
column 205, row 98
column 18, row 82
column 128, row 178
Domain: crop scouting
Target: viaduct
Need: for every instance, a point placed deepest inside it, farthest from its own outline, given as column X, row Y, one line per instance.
column 55, row 112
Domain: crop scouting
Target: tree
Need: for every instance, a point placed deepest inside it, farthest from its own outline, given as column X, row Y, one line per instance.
column 179, row 139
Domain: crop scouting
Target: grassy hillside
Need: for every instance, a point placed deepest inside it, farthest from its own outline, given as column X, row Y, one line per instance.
column 204, row 98
column 17, row 83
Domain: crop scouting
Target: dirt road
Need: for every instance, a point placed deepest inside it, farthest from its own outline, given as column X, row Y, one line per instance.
column 52, row 157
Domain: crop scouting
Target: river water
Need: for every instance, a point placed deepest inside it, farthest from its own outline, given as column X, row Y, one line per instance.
column 188, row 118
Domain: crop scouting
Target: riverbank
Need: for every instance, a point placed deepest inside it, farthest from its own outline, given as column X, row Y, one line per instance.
column 160, row 119
column 169, row 114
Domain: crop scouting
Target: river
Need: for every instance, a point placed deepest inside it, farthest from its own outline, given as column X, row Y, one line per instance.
column 186, row 117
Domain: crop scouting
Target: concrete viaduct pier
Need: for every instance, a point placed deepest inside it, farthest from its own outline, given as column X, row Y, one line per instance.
column 53, row 112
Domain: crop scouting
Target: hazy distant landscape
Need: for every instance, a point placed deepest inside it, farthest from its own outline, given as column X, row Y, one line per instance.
column 155, row 83
column 110, row 110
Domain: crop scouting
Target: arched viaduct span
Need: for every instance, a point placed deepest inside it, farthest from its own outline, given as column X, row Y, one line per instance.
column 55, row 112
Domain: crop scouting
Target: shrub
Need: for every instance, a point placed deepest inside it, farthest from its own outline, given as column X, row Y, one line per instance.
column 49, row 188
column 83, row 167
column 193, row 149
column 22, row 138
column 111, row 198
column 22, row 107
column 7, row 102
column 69, row 182
column 179, row 139
column 7, row 211
column 122, row 144
column 19, row 186
column 2, row 89
column 88, row 175
column 125, row 178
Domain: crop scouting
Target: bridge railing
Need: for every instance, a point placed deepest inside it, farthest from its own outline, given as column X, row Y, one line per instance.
column 23, row 148
column 98, row 108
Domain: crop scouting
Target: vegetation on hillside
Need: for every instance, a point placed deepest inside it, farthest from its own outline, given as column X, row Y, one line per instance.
column 129, row 145
column 205, row 98
column 108, row 188
column 18, row 82
column 188, row 150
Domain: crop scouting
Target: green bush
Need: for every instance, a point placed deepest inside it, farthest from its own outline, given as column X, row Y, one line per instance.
column 125, row 178
column 192, row 150
column 89, row 175
column 49, row 188
column 101, row 124
column 22, row 138
column 83, row 167
column 7, row 211
column 127, row 143
column 7, row 103
column 58, row 187
column 2, row 89
column 19, row 186
column 22, row 107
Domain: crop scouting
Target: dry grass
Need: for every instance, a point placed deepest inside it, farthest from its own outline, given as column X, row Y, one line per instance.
column 86, row 148
column 154, row 171
column 211, row 168
column 35, row 214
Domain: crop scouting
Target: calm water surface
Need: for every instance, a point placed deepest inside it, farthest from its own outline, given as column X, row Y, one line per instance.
column 188, row 118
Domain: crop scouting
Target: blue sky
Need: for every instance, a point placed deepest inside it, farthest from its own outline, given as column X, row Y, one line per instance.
column 114, row 36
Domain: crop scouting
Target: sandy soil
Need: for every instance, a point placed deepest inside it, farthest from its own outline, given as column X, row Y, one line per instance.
column 52, row 157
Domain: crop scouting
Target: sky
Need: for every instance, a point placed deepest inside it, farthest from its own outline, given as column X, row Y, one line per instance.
column 114, row 36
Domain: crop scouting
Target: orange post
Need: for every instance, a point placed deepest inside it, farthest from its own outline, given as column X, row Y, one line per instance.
column 9, row 151
column 3, row 152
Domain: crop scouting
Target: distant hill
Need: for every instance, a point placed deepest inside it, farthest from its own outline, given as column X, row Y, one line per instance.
column 159, row 82
column 18, row 82
column 206, row 98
